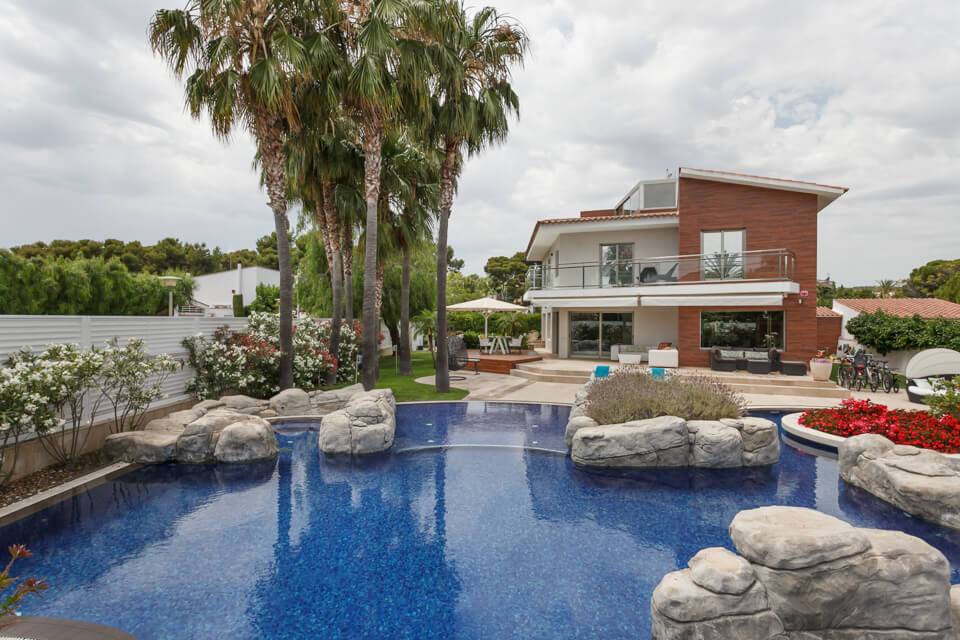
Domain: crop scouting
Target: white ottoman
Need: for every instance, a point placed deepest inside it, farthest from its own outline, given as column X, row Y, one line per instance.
column 669, row 358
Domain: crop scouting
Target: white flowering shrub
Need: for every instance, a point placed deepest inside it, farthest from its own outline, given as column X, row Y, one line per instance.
column 248, row 361
column 57, row 392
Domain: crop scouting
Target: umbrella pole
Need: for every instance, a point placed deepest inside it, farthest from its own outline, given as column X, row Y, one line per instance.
column 486, row 319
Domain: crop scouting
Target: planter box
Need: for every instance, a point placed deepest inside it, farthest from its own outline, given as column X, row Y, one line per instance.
column 821, row 370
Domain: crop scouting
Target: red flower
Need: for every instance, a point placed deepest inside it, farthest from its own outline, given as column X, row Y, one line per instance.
column 916, row 428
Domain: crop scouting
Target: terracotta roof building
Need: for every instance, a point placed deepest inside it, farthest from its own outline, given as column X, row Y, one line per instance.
column 903, row 307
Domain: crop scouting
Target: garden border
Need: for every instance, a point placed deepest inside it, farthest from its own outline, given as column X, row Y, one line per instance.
column 819, row 440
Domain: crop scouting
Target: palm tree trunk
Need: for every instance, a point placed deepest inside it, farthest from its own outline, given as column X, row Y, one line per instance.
column 346, row 251
column 372, row 144
column 332, row 234
column 270, row 141
column 403, row 349
column 448, row 176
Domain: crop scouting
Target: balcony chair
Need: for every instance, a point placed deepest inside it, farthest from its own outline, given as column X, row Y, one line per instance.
column 720, row 363
column 458, row 358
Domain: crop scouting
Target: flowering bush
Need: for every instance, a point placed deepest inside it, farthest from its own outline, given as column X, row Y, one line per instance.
column 946, row 401
column 901, row 426
column 8, row 603
column 131, row 380
column 633, row 394
column 249, row 361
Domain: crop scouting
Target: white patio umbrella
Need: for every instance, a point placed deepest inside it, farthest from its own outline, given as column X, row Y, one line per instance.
column 486, row 306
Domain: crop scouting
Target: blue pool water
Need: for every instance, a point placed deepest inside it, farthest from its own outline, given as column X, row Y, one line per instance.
column 507, row 540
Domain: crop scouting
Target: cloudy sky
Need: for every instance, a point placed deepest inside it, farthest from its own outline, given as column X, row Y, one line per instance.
column 94, row 142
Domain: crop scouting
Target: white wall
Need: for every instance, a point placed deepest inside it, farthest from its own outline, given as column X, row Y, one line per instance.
column 897, row 359
column 160, row 335
column 585, row 247
column 216, row 289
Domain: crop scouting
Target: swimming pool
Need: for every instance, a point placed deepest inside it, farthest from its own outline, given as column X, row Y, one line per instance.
column 440, row 539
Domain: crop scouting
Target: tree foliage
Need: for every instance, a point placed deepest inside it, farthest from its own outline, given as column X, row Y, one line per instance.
column 507, row 276
column 926, row 280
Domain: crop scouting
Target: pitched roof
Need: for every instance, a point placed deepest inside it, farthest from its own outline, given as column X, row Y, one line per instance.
column 904, row 307
column 827, row 312
column 604, row 218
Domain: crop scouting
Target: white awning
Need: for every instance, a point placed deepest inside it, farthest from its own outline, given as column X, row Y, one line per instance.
column 772, row 300
column 629, row 302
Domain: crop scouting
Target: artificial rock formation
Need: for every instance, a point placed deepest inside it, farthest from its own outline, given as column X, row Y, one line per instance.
column 669, row 441
column 365, row 425
column 803, row 575
column 922, row 482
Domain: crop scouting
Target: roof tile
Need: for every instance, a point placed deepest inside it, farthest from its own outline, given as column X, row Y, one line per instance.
column 904, row 307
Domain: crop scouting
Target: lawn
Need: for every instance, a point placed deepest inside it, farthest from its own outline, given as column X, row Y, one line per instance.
column 404, row 387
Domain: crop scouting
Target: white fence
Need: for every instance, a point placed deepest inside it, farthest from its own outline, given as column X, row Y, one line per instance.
column 159, row 334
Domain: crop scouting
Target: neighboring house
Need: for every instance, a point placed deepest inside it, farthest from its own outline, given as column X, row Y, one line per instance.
column 829, row 328
column 850, row 308
column 708, row 258
column 213, row 294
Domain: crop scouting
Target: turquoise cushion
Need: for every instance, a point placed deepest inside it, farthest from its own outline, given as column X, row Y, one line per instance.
column 602, row 371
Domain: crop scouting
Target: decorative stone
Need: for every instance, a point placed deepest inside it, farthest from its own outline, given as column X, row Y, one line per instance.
column 185, row 417
column 199, row 438
column 207, row 405
column 721, row 571
column 145, row 447
column 855, row 584
column 716, row 445
column 241, row 402
column 365, row 425
column 793, row 537
column 163, row 424
column 247, row 441
column 291, row 402
column 575, row 424
column 658, row 442
column 921, row 482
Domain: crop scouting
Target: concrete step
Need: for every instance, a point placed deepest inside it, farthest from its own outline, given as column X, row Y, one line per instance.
column 810, row 391
column 547, row 376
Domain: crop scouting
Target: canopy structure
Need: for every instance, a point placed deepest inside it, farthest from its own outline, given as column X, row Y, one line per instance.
column 486, row 306
column 933, row 362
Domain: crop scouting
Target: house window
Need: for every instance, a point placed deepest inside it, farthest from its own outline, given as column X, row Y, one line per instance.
column 742, row 329
column 722, row 255
column 616, row 265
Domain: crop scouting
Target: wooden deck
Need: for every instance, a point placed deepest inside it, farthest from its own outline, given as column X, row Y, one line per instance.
column 500, row 363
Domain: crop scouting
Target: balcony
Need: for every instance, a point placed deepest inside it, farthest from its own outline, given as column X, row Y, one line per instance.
column 764, row 265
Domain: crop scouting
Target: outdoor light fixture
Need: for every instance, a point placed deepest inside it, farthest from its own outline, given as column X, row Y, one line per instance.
column 170, row 282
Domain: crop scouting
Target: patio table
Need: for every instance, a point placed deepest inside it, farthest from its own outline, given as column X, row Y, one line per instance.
column 499, row 343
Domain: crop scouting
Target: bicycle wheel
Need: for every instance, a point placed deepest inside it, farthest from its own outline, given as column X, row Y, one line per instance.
column 858, row 382
column 874, row 382
column 887, row 382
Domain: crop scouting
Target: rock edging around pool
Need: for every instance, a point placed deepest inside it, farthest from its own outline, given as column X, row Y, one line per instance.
column 670, row 441
column 229, row 430
column 367, row 424
column 922, row 482
column 804, row 574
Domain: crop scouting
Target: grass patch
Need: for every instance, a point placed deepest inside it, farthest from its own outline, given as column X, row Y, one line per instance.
column 405, row 389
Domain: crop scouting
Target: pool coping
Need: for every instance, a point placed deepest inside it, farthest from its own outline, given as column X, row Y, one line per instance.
column 315, row 417
column 49, row 497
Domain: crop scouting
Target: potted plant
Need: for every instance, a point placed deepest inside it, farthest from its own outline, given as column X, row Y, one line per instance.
column 821, row 366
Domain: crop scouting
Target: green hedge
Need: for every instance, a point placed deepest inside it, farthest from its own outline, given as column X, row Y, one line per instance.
column 93, row 286
column 885, row 333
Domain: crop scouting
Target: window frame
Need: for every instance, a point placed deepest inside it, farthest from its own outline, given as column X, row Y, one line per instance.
column 632, row 265
column 782, row 346
column 723, row 251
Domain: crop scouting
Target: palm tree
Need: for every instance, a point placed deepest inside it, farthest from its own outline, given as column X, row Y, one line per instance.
column 384, row 72
column 885, row 288
column 425, row 323
column 471, row 102
column 243, row 61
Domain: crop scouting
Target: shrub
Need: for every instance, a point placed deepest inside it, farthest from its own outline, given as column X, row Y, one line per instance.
column 947, row 401
column 132, row 380
column 267, row 300
column 248, row 361
column 901, row 426
column 471, row 339
column 885, row 333
column 633, row 394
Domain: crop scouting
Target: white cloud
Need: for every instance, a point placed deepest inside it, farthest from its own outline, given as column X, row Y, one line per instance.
column 94, row 141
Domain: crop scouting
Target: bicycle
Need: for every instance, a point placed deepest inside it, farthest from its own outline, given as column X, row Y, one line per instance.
column 888, row 378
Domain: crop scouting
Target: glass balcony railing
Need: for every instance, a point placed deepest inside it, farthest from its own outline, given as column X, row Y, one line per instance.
column 771, row 264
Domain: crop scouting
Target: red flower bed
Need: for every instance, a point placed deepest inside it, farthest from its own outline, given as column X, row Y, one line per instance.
column 916, row 428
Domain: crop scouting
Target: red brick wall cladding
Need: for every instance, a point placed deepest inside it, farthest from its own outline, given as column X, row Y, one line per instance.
column 828, row 333
column 772, row 220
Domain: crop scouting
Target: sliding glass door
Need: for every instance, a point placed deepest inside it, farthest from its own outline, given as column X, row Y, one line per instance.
column 591, row 334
